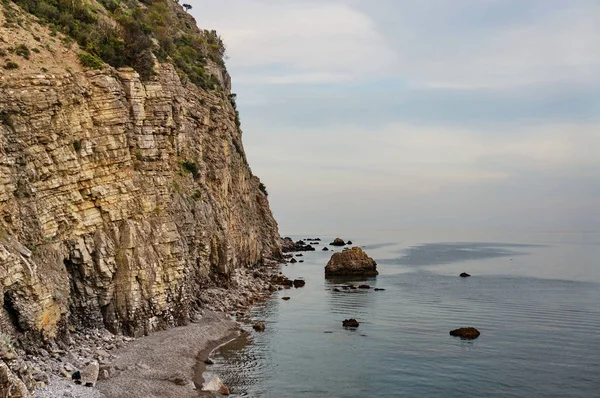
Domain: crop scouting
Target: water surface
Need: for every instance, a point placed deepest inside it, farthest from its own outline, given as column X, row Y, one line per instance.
column 534, row 297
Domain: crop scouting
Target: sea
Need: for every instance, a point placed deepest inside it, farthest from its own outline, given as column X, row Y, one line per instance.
column 534, row 296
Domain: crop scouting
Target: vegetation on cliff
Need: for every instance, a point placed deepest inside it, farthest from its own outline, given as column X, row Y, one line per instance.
column 131, row 33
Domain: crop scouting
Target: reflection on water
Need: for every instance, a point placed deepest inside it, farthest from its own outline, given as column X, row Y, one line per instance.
column 444, row 253
column 537, row 317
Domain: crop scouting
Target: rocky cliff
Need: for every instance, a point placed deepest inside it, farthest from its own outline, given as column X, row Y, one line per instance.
column 120, row 199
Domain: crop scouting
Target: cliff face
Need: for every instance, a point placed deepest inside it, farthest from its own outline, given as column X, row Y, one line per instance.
column 120, row 200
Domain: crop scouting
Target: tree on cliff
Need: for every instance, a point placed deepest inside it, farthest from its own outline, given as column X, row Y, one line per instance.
column 187, row 7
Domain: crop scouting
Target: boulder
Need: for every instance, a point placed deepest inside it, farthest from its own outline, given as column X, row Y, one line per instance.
column 293, row 261
column 89, row 374
column 464, row 275
column 338, row 242
column 301, row 261
column 351, row 262
column 349, row 242
column 350, row 323
column 325, row 249
column 299, row 283
column 216, row 385
column 465, row 333
column 285, row 298
column 364, row 287
column 379, row 289
column 299, row 255
column 259, row 326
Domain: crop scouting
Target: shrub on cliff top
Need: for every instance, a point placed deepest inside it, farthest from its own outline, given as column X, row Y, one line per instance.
column 89, row 60
column 129, row 41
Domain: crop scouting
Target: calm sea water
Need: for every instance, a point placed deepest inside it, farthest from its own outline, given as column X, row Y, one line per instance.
column 535, row 297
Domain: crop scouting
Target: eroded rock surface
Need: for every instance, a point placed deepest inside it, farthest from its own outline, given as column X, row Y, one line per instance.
column 351, row 262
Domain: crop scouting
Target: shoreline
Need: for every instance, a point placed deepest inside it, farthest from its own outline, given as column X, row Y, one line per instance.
column 170, row 363
column 163, row 363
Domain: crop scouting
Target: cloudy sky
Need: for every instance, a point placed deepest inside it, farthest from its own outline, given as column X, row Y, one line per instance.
column 402, row 113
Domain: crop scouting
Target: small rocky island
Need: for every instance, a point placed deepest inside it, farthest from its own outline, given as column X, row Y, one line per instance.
column 351, row 262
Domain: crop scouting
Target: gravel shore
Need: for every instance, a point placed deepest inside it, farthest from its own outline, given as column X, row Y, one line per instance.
column 163, row 364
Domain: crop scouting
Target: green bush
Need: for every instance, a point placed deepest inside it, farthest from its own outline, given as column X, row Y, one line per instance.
column 90, row 61
column 130, row 43
column 22, row 50
column 263, row 189
column 10, row 65
column 191, row 167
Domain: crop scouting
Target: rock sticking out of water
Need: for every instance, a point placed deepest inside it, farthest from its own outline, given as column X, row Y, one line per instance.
column 338, row 242
column 465, row 333
column 216, row 385
column 286, row 298
column 259, row 326
column 299, row 283
column 351, row 262
column 350, row 323
column 464, row 275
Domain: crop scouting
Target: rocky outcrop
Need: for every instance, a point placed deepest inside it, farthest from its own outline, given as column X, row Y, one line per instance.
column 338, row 242
column 465, row 333
column 351, row 262
column 350, row 323
column 120, row 200
column 288, row 246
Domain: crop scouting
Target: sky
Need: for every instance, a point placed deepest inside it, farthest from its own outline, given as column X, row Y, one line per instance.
column 391, row 114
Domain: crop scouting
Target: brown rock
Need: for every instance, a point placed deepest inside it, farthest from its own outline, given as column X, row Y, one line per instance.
column 299, row 283
column 465, row 333
column 259, row 326
column 224, row 390
column 338, row 242
column 351, row 262
column 350, row 323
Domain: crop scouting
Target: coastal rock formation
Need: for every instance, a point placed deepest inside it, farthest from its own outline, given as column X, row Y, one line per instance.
column 299, row 283
column 351, row 262
column 338, row 242
column 350, row 323
column 288, row 246
column 465, row 333
column 122, row 200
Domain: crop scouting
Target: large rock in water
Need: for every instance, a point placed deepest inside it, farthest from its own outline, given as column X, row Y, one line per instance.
column 465, row 333
column 338, row 242
column 351, row 262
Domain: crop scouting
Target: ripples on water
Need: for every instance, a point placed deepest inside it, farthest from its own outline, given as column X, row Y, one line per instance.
column 539, row 335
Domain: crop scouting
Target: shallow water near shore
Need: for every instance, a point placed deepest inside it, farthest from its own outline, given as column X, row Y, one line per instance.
column 534, row 296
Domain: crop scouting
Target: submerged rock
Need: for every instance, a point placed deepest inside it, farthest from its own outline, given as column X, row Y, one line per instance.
column 465, row 333
column 350, row 323
column 351, row 262
column 259, row 326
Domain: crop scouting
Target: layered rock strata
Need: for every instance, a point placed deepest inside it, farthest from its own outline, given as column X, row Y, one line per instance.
column 121, row 201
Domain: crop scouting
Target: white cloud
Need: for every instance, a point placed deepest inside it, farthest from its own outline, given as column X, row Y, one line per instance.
column 425, row 158
column 297, row 42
